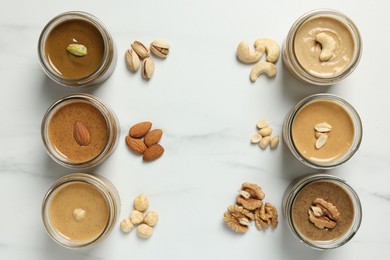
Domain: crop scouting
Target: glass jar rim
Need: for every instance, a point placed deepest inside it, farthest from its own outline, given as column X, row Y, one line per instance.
column 108, row 115
column 302, row 182
column 68, row 16
column 315, row 78
column 356, row 120
column 97, row 181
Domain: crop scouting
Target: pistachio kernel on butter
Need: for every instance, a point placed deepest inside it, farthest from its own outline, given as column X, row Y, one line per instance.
column 77, row 49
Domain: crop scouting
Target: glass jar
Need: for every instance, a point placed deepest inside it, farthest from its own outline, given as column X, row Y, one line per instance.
column 342, row 105
column 299, row 71
column 290, row 198
column 95, row 183
column 93, row 157
column 109, row 52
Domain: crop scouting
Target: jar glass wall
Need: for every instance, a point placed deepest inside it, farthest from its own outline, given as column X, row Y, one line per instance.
column 60, row 127
column 67, row 69
column 331, row 189
column 301, row 44
column 343, row 140
column 80, row 210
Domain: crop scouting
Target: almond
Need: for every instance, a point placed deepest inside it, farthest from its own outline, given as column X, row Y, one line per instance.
column 153, row 152
column 136, row 145
column 81, row 134
column 140, row 129
column 153, row 137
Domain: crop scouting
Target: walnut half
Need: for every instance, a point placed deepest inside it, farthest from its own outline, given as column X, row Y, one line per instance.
column 251, row 196
column 237, row 218
column 323, row 214
column 266, row 215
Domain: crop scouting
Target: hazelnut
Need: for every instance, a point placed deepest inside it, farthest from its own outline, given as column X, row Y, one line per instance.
column 144, row 231
column 151, row 218
column 141, row 203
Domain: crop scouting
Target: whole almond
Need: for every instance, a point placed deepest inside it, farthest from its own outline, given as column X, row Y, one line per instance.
column 153, row 152
column 274, row 142
column 262, row 123
column 136, row 145
column 140, row 129
column 153, row 137
column 81, row 134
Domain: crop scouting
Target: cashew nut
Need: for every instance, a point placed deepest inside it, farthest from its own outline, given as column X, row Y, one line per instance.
column 328, row 45
column 261, row 68
column 247, row 56
column 271, row 48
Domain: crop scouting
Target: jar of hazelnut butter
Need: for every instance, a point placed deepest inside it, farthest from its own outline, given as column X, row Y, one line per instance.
column 322, row 47
column 322, row 211
column 79, row 131
column 75, row 49
column 80, row 210
column 323, row 131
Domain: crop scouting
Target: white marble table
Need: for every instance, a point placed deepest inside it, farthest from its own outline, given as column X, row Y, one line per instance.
column 203, row 100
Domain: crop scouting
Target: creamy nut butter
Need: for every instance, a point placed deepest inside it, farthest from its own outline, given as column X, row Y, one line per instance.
column 70, row 32
column 79, row 210
column 66, row 206
column 61, row 131
column 322, row 210
column 322, row 131
column 340, row 138
column 62, row 36
column 322, row 47
column 308, row 49
column 79, row 131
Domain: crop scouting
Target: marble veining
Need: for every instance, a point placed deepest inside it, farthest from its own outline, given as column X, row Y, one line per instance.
column 203, row 100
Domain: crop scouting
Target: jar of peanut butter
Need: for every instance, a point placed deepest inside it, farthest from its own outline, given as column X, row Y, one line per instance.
column 80, row 131
column 74, row 29
column 80, row 210
column 323, row 131
column 322, row 47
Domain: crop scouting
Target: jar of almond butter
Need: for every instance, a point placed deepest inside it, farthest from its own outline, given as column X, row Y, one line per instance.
column 79, row 131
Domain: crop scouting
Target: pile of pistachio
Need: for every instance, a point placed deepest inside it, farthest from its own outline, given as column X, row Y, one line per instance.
column 139, row 51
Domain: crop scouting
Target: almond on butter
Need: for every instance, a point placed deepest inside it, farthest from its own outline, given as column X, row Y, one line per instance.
column 81, row 134
column 153, row 152
column 140, row 129
column 136, row 145
column 153, row 137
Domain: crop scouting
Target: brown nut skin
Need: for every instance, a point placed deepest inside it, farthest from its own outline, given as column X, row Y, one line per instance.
column 153, row 152
column 153, row 137
column 249, row 204
column 234, row 218
column 140, row 129
column 136, row 145
column 254, row 190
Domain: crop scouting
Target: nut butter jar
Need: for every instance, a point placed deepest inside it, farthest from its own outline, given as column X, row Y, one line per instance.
column 80, row 210
column 298, row 201
column 72, row 70
column 79, row 131
column 342, row 139
column 302, row 49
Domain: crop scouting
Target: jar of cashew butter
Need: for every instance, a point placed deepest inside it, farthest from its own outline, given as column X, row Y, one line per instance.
column 80, row 210
column 322, row 211
column 75, row 49
column 322, row 47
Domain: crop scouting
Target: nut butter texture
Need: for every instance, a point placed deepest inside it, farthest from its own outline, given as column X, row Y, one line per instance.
column 308, row 50
column 330, row 192
column 74, row 32
column 76, row 196
column 61, row 131
column 304, row 134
